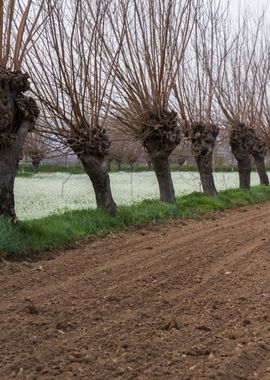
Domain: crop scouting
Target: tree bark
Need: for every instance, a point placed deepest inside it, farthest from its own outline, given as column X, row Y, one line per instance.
column 242, row 142
column 259, row 152
column 261, row 169
column 205, row 168
column 18, row 114
column 100, row 180
column 162, row 170
column 244, row 169
column 9, row 159
column 8, row 170
column 161, row 135
column 91, row 144
column 203, row 139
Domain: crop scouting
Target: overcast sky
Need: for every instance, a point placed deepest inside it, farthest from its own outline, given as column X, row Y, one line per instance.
column 256, row 6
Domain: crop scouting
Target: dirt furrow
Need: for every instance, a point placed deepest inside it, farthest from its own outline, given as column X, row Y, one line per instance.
column 180, row 300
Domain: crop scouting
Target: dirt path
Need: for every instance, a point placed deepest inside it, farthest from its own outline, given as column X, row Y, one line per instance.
column 184, row 300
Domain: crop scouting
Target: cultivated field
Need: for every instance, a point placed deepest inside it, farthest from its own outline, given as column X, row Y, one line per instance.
column 184, row 300
column 48, row 193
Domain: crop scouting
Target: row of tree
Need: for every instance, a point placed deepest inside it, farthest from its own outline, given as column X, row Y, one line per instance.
column 162, row 71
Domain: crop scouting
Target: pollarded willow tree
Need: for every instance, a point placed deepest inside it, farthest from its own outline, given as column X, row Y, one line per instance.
column 242, row 70
column 263, row 122
column 123, row 147
column 259, row 118
column 132, row 153
column 115, row 153
column 19, row 26
column 194, row 93
column 263, row 145
column 36, row 147
column 156, row 38
column 259, row 151
column 74, row 85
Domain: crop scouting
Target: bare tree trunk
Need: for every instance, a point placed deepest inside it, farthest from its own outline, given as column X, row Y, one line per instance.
column 9, row 159
column 181, row 162
column 149, row 164
column 204, row 164
column 100, row 180
column 203, row 139
column 261, row 169
column 36, row 165
column 159, row 142
column 244, row 169
column 18, row 114
column 259, row 152
column 8, row 170
column 92, row 149
column 162, row 170
column 242, row 141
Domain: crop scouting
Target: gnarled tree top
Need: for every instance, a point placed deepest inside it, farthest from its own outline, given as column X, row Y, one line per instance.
column 160, row 133
column 16, row 80
column 203, row 138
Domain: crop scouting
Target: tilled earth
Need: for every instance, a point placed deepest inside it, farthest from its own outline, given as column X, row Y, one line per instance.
column 182, row 300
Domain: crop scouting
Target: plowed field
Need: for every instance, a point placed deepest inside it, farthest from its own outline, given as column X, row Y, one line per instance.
column 182, row 300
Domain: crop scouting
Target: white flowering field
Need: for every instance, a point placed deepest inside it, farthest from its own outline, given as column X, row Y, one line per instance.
column 48, row 193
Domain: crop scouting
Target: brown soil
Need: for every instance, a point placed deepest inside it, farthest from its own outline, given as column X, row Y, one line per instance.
column 183, row 300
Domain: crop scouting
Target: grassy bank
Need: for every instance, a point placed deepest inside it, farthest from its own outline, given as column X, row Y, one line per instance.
column 30, row 238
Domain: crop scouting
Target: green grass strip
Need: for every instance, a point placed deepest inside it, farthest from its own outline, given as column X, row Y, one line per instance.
column 26, row 170
column 28, row 239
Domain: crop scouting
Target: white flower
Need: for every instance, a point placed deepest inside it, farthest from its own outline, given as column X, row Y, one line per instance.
column 49, row 193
